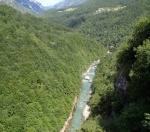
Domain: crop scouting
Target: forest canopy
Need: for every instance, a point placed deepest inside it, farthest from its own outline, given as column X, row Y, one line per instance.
column 40, row 73
column 125, row 108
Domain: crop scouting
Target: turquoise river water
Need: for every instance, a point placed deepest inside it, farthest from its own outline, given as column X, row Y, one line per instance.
column 82, row 101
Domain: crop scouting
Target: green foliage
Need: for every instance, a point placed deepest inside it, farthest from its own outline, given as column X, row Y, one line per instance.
column 147, row 121
column 140, row 34
column 131, row 118
column 109, row 28
column 140, row 78
column 40, row 72
column 92, row 126
column 124, row 109
column 42, row 62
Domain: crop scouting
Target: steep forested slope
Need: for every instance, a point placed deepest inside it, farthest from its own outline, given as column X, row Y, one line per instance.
column 123, row 109
column 40, row 72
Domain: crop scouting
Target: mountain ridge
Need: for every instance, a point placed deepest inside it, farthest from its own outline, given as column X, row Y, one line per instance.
column 24, row 5
column 33, row 5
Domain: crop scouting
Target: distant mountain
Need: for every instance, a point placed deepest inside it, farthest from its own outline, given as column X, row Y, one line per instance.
column 32, row 5
column 67, row 3
column 15, row 5
column 24, row 5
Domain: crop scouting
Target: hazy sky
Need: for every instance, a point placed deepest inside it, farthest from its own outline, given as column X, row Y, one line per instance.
column 48, row 2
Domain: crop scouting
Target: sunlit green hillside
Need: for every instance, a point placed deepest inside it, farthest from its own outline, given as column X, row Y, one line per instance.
column 42, row 60
column 40, row 73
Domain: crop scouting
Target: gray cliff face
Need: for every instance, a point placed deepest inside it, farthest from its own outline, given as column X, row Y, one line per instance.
column 121, row 81
column 24, row 5
column 15, row 5
column 123, row 78
column 32, row 5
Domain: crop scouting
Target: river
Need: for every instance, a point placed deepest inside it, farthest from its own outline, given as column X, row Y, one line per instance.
column 83, row 100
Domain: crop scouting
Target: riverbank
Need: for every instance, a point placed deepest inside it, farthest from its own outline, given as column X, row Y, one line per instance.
column 86, row 107
column 66, row 125
column 88, row 70
column 86, row 112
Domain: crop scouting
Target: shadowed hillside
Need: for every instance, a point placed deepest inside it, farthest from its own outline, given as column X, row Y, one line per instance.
column 124, row 108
